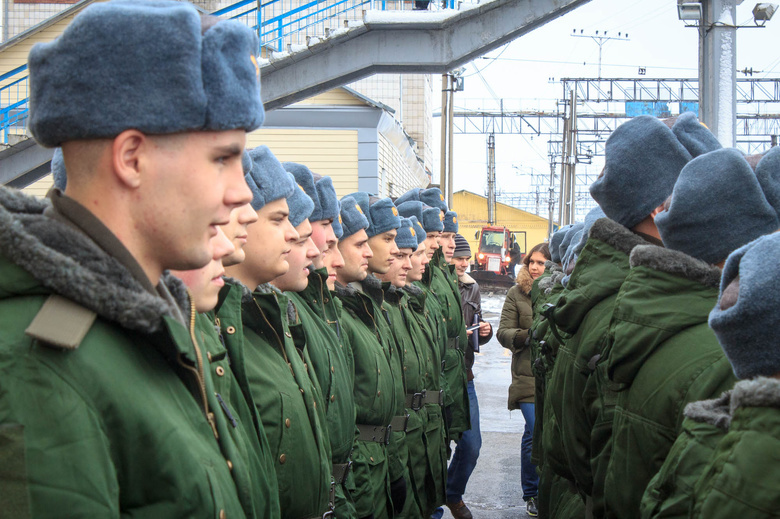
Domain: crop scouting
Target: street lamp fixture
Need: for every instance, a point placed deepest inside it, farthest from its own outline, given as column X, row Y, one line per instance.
column 763, row 12
column 687, row 10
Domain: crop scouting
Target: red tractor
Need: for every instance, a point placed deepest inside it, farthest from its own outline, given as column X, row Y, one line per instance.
column 498, row 253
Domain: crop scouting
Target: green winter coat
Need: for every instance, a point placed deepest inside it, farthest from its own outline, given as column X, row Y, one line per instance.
column 374, row 399
column 288, row 402
column 670, row 493
column 124, row 419
column 429, row 332
column 334, row 367
column 583, row 311
column 663, row 355
column 412, row 352
column 742, row 477
column 444, row 286
column 516, row 321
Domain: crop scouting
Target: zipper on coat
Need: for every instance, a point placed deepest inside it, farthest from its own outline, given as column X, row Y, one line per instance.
column 199, row 372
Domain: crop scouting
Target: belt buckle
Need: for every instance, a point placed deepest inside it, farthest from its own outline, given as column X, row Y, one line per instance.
column 417, row 400
column 388, row 430
column 441, row 397
column 346, row 472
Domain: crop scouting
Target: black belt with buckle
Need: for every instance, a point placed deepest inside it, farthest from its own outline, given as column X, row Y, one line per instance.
column 416, row 401
column 454, row 343
column 374, row 433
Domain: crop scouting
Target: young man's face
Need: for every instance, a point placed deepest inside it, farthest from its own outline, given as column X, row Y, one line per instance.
column 399, row 270
column 324, row 238
column 187, row 186
column 419, row 260
column 461, row 264
column 236, row 232
column 356, row 253
column 301, row 254
column 269, row 242
column 332, row 260
column 447, row 244
column 431, row 243
column 384, row 250
column 205, row 283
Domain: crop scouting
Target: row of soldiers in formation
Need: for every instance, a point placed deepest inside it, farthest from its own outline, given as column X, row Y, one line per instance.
column 191, row 330
column 654, row 342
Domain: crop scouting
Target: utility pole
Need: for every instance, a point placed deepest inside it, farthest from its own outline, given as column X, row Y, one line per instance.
column 449, row 83
column 600, row 40
column 551, row 198
column 491, row 178
column 568, row 161
column 718, row 69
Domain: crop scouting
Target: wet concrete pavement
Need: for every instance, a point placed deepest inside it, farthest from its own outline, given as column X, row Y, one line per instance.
column 494, row 490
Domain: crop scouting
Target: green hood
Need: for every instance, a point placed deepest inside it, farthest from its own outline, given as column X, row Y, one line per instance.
column 601, row 269
column 665, row 293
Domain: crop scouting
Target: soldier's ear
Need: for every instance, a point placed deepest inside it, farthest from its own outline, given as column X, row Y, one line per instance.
column 129, row 157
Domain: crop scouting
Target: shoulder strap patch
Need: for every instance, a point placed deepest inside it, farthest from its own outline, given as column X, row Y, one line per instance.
column 61, row 323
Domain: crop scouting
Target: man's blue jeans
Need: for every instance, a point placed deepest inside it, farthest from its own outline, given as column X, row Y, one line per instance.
column 528, row 476
column 465, row 457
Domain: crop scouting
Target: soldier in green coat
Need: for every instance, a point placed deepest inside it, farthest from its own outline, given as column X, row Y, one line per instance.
column 741, row 477
column 664, row 361
column 327, row 345
column 374, row 378
column 107, row 408
column 415, row 351
column 643, row 161
column 251, row 453
column 285, row 390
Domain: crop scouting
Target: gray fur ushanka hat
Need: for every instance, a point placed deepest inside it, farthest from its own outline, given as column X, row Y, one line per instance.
column 352, row 218
column 147, row 65
column 450, row 221
column 267, row 179
column 329, row 202
column 407, row 236
column 305, row 179
column 299, row 203
column 747, row 329
column 643, row 159
column 717, row 206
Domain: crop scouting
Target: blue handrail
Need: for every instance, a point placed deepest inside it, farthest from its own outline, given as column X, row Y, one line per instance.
column 13, row 101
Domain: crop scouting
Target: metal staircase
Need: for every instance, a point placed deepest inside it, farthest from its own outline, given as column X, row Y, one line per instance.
column 312, row 46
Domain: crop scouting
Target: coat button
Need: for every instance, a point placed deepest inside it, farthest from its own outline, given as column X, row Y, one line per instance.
column 208, row 355
column 315, row 404
column 314, row 301
column 302, row 391
column 287, row 423
column 230, row 464
column 231, row 330
column 282, row 459
column 371, row 458
column 378, row 393
column 222, row 514
column 326, row 300
column 332, row 369
column 332, row 398
column 216, row 321
column 287, row 334
column 220, row 371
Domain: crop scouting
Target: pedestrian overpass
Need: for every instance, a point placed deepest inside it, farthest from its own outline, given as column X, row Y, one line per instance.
column 303, row 53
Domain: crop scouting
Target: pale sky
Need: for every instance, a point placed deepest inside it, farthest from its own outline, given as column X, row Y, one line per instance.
column 519, row 73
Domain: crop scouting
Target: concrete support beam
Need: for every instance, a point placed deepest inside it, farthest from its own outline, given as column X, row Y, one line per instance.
column 24, row 163
column 406, row 42
column 718, row 69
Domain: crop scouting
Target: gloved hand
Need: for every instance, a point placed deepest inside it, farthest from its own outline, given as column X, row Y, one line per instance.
column 398, row 494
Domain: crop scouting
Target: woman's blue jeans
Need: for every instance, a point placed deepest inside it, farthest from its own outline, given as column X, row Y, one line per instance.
column 528, row 476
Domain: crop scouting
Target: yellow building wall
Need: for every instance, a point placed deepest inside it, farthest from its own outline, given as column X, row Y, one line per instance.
column 331, row 153
column 473, row 215
column 337, row 97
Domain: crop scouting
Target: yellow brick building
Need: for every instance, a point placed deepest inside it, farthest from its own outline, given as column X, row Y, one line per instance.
column 472, row 210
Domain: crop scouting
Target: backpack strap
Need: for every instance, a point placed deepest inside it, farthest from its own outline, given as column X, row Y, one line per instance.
column 61, row 323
